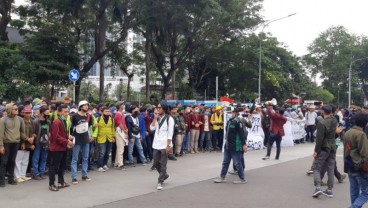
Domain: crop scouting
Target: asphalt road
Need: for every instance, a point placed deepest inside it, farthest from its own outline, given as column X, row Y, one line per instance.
column 270, row 184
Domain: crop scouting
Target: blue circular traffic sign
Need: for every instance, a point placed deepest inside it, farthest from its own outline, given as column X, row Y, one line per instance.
column 74, row 75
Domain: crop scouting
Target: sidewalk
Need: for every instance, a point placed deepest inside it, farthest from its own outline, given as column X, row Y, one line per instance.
column 116, row 185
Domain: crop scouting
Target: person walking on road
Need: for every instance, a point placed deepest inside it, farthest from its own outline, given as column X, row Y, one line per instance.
column 163, row 125
column 356, row 149
column 235, row 145
column 325, row 152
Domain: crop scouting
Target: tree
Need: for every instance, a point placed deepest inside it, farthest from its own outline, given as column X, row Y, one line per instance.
column 330, row 55
column 6, row 8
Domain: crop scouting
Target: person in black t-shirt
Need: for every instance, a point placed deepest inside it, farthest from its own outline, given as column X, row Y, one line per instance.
column 80, row 124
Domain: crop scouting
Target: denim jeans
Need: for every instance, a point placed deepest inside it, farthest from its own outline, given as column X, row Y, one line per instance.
column 104, row 150
column 39, row 161
column 85, row 152
column 236, row 156
column 358, row 189
column 205, row 136
column 217, row 138
column 185, row 146
column 137, row 143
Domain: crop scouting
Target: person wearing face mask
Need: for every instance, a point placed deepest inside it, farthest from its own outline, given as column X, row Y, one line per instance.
column 206, row 131
column 217, row 122
column 235, row 146
column 80, row 124
column 195, row 121
column 105, row 135
column 59, row 143
column 185, row 145
column 42, row 130
column 134, row 135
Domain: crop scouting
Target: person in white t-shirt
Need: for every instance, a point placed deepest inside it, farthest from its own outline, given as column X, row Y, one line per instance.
column 163, row 125
column 310, row 123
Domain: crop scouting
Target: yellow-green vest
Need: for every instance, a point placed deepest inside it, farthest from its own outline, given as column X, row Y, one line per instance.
column 105, row 131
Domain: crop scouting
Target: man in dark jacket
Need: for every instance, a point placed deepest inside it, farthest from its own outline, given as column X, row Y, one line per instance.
column 355, row 151
column 235, row 145
column 325, row 151
column 59, row 142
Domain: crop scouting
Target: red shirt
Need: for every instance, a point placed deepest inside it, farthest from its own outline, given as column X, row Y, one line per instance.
column 196, row 118
column 120, row 119
column 59, row 138
column 277, row 123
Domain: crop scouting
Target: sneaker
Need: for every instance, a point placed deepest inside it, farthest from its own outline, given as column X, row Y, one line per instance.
column 240, row 181
column 101, row 170
column 310, row 172
column 171, row 157
column 220, row 180
column 144, row 164
column 12, row 182
column 122, row 168
column 233, row 172
column 328, row 193
column 85, row 178
column 159, row 186
column 75, row 182
column 343, row 176
column 38, row 178
column 53, row 188
column 266, row 157
column 26, row 178
column 19, row 180
column 317, row 192
column 105, row 167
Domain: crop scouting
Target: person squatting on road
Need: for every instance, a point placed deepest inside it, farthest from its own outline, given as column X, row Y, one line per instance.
column 235, row 145
column 163, row 125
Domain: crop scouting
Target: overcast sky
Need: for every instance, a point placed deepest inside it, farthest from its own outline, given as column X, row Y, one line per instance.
column 313, row 17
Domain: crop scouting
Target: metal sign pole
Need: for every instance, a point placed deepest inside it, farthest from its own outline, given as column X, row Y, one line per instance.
column 74, row 92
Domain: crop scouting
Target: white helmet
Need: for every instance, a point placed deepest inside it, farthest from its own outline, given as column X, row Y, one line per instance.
column 81, row 103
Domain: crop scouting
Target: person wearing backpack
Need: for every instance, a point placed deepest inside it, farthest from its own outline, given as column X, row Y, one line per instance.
column 179, row 130
column 134, row 135
column 105, row 137
column 42, row 132
column 12, row 132
column 235, row 146
column 356, row 160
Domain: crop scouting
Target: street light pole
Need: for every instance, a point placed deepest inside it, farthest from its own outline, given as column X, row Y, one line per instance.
column 350, row 70
column 260, row 53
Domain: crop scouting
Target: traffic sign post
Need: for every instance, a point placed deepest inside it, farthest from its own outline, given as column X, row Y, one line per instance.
column 74, row 76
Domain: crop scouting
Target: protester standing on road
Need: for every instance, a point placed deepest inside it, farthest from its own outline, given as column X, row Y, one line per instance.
column 325, row 151
column 217, row 122
column 276, row 130
column 80, row 124
column 42, row 132
column 12, row 131
column 356, row 149
column 163, row 125
column 235, row 145
column 59, row 143
column 105, row 137
column 121, row 135
column 310, row 123
column 22, row 159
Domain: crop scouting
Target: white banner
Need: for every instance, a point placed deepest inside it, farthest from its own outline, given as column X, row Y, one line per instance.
column 255, row 133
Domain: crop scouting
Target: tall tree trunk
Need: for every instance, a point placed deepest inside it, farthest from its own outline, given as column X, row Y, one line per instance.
column 77, row 90
column 147, row 62
column 5, row 11
column 165, row 88
column 130, row 76
column 101, row 43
